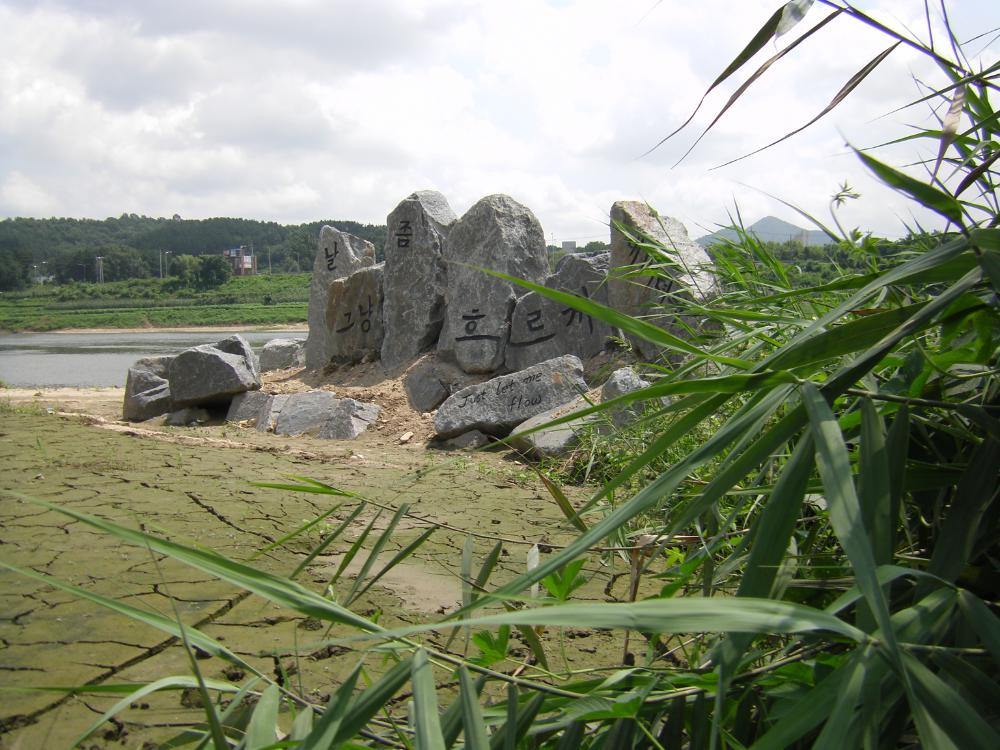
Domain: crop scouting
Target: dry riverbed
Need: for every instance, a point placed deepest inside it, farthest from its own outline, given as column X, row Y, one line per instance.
column 193, row 485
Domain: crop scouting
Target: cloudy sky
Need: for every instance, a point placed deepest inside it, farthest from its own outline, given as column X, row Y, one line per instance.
column 308, row 109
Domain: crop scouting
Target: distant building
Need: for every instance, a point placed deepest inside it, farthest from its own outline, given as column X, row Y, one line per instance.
column 569, row 246
column 241, row 260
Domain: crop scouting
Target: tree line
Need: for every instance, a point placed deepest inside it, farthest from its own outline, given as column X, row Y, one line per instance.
column 63, row 250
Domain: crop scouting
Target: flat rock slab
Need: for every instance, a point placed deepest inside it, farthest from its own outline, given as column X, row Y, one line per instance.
column 321, row 414
column 212, row 373
column 414, row 280
column 280, row 354
column 498, row 405
column 147, row 392
column 541, row 328
column 338, row 255
column 684, row 271
column 500, row 234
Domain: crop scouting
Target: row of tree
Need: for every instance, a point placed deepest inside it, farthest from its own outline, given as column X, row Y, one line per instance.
column 64, row 250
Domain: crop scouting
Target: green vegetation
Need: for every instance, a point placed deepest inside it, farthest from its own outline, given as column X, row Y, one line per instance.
column 64, row 250
column 831, row 580
column 250, row 300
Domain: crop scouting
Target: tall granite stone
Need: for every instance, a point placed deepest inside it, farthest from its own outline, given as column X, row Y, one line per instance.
column 414, row 280
column 354, row 329
column 500, row 234
column 339, row 254
column 212, row 373
column 686, row 270
column 498, row 405
column 542, row 329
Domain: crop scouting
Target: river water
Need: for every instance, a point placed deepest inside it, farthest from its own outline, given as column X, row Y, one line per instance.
column 69, row 359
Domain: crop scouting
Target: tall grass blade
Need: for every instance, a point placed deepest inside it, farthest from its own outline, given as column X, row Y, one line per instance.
column 853, row 82
column 927, row 195
column 844, row 508
column 396, row 559
column 179, row 682
column 370, row 702
column 426, row 720
column 327, row 541
column 973, row 497
column 296, row 532
column 476, row 735
column 948, row 710
column 324, row 731
column 982, row 620
column 262, row 731
column 761, row 38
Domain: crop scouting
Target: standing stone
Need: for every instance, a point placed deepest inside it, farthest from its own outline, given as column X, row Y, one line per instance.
column 542, row 329
column 339, row 255
column 354, row 329
column 147, row 392
column 212, row 373
column 498, row 405
column 500, row 234
column 414, row 280
column 688, row 275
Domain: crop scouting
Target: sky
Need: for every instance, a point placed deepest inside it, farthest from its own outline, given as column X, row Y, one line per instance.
column 302, row 110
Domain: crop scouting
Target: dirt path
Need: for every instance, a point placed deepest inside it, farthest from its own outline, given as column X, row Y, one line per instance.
column 193, row 486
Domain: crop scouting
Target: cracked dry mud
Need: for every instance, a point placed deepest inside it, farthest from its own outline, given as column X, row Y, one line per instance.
column 198, row 492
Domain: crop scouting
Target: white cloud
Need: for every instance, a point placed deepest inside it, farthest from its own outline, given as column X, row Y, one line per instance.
column 308, row 109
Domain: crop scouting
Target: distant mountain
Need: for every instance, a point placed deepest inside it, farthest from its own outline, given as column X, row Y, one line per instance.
column 771, row 229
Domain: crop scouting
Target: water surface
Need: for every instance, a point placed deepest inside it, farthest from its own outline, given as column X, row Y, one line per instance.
column 71, row 359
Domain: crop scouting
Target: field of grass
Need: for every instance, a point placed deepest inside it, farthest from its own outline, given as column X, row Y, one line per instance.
column 253, row 300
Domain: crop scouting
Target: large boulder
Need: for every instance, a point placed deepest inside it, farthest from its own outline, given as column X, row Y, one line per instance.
column 500, row 234
column 280, row 354
column 542, row 329
column 339, row 254
column 321, row 414
column 147, row 391
column 498, row 405
column 414, row 281
column 632, row 290
column 354, row 329
column 212, row 373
